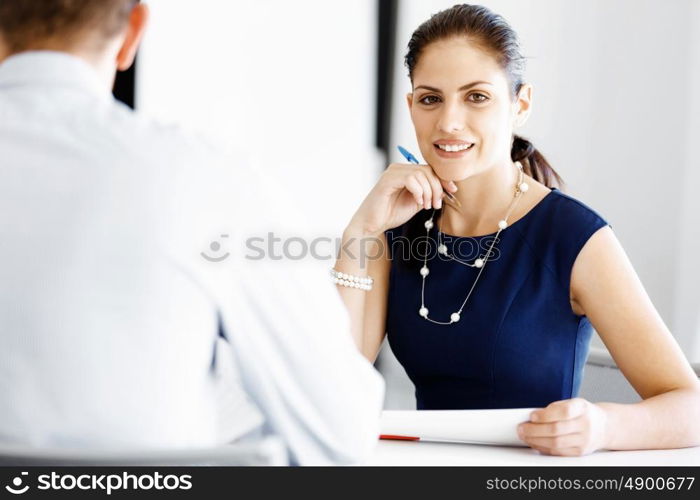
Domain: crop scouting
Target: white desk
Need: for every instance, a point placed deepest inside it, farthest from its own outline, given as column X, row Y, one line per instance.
column 428, row 453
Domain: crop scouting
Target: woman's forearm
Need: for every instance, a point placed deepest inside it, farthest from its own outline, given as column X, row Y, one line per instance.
column 352, row 259
column 668, row 420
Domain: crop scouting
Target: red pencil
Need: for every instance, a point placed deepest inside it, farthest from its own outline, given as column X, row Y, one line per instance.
column 398, row 438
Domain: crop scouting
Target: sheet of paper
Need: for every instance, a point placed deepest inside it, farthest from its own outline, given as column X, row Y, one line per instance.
column 468, row 426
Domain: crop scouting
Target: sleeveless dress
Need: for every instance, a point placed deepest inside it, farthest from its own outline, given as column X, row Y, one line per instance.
column 517, row 343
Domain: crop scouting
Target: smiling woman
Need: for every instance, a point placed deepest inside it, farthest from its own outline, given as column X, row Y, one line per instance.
column 510, row 325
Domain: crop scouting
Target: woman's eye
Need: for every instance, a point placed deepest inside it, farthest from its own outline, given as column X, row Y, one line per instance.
column 430, row 99
column 476, row 97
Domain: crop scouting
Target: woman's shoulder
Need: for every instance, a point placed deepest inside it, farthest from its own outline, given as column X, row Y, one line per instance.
column 557, row 218
column 562, row 220
column 561, row 229
column 570, row 213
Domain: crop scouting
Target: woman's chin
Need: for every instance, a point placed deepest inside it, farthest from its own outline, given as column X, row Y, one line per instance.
column 452, row 172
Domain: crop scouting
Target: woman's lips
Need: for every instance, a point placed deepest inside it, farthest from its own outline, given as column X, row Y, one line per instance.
column 451, row 154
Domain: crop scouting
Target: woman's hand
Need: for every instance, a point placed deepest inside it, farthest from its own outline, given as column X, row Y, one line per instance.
column 402, row 190
column 571, row 427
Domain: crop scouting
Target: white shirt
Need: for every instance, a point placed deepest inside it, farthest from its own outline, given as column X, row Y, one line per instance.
column 110, row 314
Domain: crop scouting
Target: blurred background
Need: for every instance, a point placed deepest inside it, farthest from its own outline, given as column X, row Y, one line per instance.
column 319, row 88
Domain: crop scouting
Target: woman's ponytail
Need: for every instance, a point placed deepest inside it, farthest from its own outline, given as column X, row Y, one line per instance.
column 492, row 33
column 534, row 163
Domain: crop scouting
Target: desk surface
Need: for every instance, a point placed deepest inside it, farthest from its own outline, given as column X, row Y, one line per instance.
column 430, row 453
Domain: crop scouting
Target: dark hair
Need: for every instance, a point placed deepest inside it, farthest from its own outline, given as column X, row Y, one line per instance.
column 492, row 33
column 26, row 24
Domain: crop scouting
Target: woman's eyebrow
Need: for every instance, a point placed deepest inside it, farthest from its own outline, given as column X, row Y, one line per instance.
column 463, row 87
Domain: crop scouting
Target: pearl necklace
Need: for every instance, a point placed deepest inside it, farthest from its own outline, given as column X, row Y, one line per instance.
column 480, row 263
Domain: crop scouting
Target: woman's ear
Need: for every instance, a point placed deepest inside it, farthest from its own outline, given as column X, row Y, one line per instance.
column 523, row 105
column 409, row 101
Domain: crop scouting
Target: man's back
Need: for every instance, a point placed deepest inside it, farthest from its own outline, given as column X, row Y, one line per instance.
column 85, row 203
column 109, row 315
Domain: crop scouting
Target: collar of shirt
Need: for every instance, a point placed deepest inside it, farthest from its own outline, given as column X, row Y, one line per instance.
column 51, row 69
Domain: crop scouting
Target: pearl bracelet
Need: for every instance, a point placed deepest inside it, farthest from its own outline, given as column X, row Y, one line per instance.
column 351, row 281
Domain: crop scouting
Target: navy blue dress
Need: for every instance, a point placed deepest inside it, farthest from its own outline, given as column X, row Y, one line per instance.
column 518, row 343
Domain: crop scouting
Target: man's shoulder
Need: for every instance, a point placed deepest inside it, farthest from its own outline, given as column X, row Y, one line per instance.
column 181, row 151
column 151, row 135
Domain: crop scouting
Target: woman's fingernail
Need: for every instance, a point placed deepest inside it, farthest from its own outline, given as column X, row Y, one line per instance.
column 453, row 187
column 439, row 204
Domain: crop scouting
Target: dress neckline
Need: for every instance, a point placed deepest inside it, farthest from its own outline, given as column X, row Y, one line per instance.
column 532, row 210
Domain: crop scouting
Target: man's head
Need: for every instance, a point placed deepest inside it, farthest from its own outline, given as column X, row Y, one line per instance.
column 102, row 31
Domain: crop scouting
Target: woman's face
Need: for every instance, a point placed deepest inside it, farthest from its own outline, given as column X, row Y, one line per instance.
column 462, row 109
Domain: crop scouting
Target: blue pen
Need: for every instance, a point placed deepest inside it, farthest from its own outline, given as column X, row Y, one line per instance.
column 409, row 157
column 407, row 154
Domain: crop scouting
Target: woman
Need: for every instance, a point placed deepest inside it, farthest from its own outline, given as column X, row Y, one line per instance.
column 506, row 322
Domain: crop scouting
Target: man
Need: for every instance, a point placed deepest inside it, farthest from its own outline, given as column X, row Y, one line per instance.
column 114, row 284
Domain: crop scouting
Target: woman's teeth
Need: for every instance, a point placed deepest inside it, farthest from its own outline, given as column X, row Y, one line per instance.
column 454, row 147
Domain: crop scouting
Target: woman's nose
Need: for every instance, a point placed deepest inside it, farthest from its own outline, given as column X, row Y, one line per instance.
column 452, row 119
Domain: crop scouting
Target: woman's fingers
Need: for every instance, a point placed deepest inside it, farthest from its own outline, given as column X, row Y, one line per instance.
column 440, row 186
column 420, row 179
column 549, row 429
column 574, row 451
column 427, row 189
column 569, row 427
column 557, row 442
column 436, row 188
column 431, row 190
column 416, row 189
column 448, row 186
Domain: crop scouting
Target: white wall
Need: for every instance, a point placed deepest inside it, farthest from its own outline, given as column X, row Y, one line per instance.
column 293, row 81
column 615, row 108
column 616, row 113
column 688, row 272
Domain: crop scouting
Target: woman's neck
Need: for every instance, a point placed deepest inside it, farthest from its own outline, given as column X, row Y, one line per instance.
column 484, row 199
